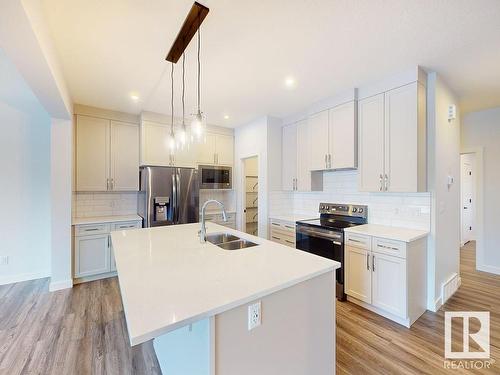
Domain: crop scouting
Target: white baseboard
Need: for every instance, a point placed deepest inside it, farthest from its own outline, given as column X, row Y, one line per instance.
column 489, row 269
column 59, row 285
column 385, row 314
column 4, row 280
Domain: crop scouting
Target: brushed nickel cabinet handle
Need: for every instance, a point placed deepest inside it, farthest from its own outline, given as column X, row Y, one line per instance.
column 373, row 263
column 380, row 181
column 368, row 262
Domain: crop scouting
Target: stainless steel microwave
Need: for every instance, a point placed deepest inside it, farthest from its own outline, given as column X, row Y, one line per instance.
column 215, row 177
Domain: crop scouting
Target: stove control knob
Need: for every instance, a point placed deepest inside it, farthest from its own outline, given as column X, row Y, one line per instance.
column 360, row 210
column 354, row 209
column 322, row 207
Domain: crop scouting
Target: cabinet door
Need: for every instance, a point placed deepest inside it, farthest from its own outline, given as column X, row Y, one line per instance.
column 401, row 139
column 185, row 156
column 371, row 142
column 224, row 148
column 92, row 255
column 92, row 154
column 156, row 137
column 124, row 156
column 389, row 284
column 303, row 146
column 206, row 150
column 318, row 140
column 358, row 282
column 289, row 157
column 343, row 136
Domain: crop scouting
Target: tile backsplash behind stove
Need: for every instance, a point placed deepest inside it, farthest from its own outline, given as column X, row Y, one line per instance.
column 409, row 210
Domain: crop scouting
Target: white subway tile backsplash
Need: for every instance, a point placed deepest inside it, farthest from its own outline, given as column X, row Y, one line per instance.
column 410, row 210
column 104, row 204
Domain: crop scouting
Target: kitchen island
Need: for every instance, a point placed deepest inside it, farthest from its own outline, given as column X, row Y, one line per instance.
column 193, row 299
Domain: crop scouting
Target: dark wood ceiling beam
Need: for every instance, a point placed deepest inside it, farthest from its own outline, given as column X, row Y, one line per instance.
column 189, row 28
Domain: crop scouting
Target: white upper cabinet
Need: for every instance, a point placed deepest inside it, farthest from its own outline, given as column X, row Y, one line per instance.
column 371, row 143
column 206, row 151
column 343, row 141
column 392, row 140
column 224, row 149
column 155, row 149
column 318, row 136
column 333, row 138
column 92, row 154
column 289, row 157
column 107, row 155
column 296, row 174
column 124, row 156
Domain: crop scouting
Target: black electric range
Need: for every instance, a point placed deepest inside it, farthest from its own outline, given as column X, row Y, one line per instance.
column 325, row 236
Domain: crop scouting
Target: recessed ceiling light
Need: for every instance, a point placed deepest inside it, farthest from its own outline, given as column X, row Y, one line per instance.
column 134, row 97
column 289, row 82
column 226, row 117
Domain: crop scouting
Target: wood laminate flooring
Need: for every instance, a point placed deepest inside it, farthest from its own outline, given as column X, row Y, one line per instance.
column 82, row 331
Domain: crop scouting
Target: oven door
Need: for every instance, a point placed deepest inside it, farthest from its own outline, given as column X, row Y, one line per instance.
column 326, row 243
column 215, row 177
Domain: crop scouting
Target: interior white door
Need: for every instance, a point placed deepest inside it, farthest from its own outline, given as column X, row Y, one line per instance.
column 289, row 157
column 124, row 156
column 343, row 136
column 206, row 150
column 466, row 189
column 92, row 255
column 358, row 281
column 303, row 182
column 401, row 139
column 318, row 141
column 371, row 143
column 92, row 153
column 224, row 149
column 389, row 284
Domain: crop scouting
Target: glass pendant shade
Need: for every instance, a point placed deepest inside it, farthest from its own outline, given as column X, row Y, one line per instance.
column 198, row 126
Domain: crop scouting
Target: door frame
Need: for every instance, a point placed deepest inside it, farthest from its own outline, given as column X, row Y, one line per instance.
column 243, row 192
column 473, row 193
column 479, row 207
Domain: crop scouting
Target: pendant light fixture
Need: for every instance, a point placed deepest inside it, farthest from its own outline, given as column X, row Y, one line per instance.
column 182, row 135
column 171, row 140
column 198, row 123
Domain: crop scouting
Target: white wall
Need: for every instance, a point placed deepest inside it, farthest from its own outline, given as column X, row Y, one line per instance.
column 25, row 235
column 251, row 140
column 481, row 130
column 443, row 161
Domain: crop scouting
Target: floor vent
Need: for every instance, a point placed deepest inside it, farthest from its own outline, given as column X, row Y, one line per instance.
column 450, row 287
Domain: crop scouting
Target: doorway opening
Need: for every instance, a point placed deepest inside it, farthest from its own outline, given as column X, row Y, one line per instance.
column 251, row 195
column 468, row 192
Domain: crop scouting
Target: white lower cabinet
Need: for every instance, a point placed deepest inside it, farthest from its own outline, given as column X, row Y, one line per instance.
column 387, row 276
column 93, row 253
column 282, row 232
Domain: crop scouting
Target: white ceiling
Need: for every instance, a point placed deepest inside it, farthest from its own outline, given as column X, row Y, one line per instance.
column 110, row 49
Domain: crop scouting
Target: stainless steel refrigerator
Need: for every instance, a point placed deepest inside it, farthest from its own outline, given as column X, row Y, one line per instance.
column 168, row 196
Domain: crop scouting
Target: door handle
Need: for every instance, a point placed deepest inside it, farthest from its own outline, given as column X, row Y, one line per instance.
column 368, row 262
column 329, row 160
column 326, row 161
column 386, row 182
column 380, row 181
column 174, row 197
column 177, row 199
column 373, row 263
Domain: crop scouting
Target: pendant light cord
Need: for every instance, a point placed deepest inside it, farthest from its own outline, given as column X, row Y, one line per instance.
column 199, row 64
column 183, row 89
column 172, row 100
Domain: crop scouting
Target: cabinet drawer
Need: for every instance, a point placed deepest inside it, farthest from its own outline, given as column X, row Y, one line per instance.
column 126, row 225
column 389, row 247
column 91, row 229
column 283, row 226
column 282, row 238
column 358, row 240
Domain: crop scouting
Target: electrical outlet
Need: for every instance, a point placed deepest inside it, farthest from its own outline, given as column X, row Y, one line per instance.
column 4, row 260
column 254, row 316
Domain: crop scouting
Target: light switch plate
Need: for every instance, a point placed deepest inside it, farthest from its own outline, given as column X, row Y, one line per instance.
column 254, row 316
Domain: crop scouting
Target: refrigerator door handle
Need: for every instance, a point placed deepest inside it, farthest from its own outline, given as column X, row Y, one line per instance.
column 177, row 199
column 174, row 198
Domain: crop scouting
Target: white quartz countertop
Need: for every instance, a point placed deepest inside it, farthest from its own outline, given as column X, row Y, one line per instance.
column 388, row 232
column 105, row 219
column 168, row 279
column 293, row 218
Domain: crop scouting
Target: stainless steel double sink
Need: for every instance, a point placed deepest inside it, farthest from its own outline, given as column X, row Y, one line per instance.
column 228, row 241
